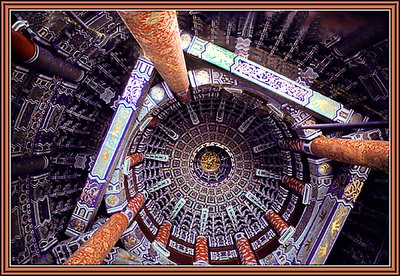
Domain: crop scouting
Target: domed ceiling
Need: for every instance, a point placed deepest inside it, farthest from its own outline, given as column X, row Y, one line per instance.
column 211, row 166
column 217, row 150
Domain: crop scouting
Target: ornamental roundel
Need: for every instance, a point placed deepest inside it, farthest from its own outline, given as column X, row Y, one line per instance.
column 215, row 146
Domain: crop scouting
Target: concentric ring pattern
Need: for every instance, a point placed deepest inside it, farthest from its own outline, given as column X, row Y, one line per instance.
column 215, row 145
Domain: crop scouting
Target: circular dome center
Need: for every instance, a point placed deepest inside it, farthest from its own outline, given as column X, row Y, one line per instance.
column 210, row 161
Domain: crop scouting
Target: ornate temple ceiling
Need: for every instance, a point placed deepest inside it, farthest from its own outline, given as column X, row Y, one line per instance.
column 218, row 149
column 348, row 50
column 342, row 55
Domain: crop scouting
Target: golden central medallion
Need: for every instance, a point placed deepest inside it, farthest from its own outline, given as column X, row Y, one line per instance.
column 210, row 161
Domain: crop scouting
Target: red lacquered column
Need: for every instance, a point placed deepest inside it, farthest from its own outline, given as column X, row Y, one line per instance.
column 246, row 253
column 284, row 230
column 135, row 158
column 22, row 47
column 157, row 33
column 161, row 241
column 103, row 240
column 136, row 203
column 368, row 153
column 201, row 253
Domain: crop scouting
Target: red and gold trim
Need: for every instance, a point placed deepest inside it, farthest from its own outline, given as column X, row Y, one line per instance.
column 201, row 253
column 135, row 158
column 157, row 33
column 161, row 241
column 293, row 184
column 99, row 245
column 136, row 203
column 246, row 253
column 277, row 222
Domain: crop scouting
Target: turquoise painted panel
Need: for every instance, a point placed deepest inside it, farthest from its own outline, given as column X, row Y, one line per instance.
column 110, row 145
column 123, row 122
column 282, row 86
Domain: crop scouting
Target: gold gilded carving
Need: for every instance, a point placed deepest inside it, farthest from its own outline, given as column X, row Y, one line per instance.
column 210, row 161
column 329, row 238
column 112, row 200
column 89, row 193
column 353, row 189
column 325, row 169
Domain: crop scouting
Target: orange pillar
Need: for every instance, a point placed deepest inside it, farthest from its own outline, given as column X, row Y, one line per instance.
column 157, row 33
column 97, row 247
column 161, row 241
column 135, row 158
column 299, row 187
column 246, row 253
column 369, row 153
column 284, row 230
column 201, row 253
column 103, row 240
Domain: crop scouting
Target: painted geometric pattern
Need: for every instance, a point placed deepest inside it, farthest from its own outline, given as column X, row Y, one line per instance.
column 158, row 34
column 233, row 136
column 205, row 76
column 113, row 144
column 300, row 118
column 246, row 254
column 97, row 247
column 209, row 76
column 140, row 76
column 201, row 250
column 277, row 222
column 119, row 256
column 277, row 83
column 115, row 196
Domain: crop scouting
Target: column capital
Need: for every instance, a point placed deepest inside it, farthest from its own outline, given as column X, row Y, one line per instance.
column 161, row 241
